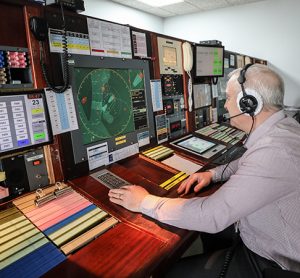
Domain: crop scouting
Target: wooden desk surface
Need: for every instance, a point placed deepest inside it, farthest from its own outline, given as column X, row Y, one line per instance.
column 137, row 246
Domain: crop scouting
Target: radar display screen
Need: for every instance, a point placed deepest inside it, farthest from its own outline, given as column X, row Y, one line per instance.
column 106, row 102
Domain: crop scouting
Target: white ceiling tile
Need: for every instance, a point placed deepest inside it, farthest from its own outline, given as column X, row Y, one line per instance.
column 189, row 6
column 180, row 8
column 208, row 5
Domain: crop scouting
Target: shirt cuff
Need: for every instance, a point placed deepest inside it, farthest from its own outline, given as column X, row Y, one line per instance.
column 149, row 204
column 213, row 173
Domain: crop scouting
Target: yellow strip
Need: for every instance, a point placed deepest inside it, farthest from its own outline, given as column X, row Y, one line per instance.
column 19, row 239
column 153, row 149
column 88, row 236
column 157, row 152
column 176, row 182
column 83, row 226
column 120, row 142
column 12, row 228
column 11, row 221
column 16, row 233
column 162, row 155
column 8, row 212
column 120, row 138
column 171, row 179
column 22, row 252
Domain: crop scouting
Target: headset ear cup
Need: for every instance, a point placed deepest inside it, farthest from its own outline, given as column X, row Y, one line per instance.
column 251, row 104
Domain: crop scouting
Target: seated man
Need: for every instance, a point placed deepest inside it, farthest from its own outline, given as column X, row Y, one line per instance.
column 262, row 191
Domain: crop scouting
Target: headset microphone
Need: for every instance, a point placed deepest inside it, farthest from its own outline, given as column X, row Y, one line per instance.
column 225, row 119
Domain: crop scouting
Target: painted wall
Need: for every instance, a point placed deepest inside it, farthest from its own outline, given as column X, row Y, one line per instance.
column 114, row 12
column 266, row 30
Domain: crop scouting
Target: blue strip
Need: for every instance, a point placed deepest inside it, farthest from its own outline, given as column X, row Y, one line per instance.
column 68, row 220
column 34, row 264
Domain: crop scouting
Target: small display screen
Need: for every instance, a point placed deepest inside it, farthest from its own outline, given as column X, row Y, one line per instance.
column 195, row 144
column 24, row 122
column 169, row 56
column 209, row 61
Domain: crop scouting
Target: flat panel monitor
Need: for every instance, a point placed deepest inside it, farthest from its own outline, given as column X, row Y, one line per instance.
column 193, row 144
column 24, row 122
column 113, row 103
column 209, row 61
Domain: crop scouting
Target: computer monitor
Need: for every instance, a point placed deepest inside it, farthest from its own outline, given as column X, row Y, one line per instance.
column 209, row 61
column 113, row 103
column 24, row 122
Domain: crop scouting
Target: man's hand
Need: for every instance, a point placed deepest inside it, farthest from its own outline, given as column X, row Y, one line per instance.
column 202, row 179
column 129, row 196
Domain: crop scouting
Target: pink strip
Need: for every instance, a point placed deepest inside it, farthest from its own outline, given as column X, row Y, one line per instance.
column 47, row 208
column 57, row 212
column 61, row 217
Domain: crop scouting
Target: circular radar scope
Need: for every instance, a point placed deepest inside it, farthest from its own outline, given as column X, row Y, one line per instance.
column 104, row 102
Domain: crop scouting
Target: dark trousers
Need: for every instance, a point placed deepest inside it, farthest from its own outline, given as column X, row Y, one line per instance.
column 243, row 264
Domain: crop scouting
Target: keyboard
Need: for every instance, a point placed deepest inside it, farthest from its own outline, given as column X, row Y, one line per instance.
column 109, row 179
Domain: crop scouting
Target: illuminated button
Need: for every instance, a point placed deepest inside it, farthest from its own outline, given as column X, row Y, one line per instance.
column 36, row 162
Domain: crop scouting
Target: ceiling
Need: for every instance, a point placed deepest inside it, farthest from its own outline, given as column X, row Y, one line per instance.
column 186, row 7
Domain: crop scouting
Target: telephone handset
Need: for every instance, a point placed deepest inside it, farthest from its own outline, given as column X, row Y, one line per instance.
column 39, row 29
column 187, row 56
column 188, row 65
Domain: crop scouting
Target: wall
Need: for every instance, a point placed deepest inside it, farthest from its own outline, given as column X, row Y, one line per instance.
column 114, row 12
column 266, row 30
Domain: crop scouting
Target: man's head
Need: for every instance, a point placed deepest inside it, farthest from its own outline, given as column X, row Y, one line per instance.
column 263, row 95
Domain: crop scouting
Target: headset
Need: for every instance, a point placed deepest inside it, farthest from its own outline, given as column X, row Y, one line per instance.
column 250, row 102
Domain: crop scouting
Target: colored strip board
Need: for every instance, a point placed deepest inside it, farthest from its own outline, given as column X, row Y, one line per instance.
column 45, row 225
column 75, row 231
column 14, row 227
column 20, row 241
column 28, row 200
column 34, row 264
column 68, row 220
column 8, row 212
column 17, row 232
column 88, row 236
column 22, row 252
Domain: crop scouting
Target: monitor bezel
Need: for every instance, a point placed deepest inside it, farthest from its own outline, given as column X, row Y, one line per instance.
column 84, row 61
column 47, row 117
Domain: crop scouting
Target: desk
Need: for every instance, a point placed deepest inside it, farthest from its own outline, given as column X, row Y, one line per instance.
column 135, row 247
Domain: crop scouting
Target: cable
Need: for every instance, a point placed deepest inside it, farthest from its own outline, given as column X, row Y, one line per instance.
column 214, row 80
column 65, row 54
column 241, row 146
column 229, row 253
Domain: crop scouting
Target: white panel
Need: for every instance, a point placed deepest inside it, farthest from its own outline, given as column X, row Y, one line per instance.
column 208, row 5
column 181, row 8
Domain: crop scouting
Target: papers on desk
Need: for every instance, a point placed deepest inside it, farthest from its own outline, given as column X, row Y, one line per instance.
column 182, row 164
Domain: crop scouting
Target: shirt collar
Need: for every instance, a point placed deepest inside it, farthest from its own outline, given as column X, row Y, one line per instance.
column 264, row 128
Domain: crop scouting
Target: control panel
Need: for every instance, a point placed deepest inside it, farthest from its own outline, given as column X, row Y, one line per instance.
column 173, row 103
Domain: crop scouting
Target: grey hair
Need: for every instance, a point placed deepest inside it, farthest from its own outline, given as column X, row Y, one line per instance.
column 265, row 82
